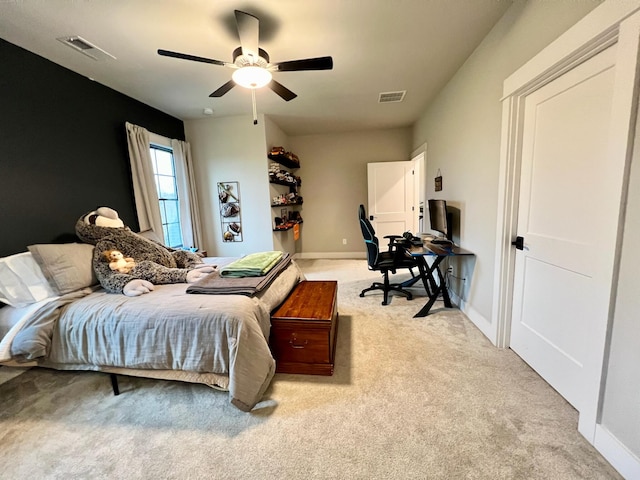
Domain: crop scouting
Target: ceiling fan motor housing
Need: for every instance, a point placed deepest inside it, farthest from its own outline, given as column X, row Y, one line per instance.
column 244, row 61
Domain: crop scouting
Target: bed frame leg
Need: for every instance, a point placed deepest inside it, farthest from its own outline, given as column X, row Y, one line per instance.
column 114, row 384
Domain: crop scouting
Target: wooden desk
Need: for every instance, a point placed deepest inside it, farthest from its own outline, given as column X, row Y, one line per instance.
column 433, row 288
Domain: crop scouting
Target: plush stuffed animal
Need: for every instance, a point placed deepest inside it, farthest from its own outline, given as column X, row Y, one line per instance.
column 155, row 263
column 117, row 261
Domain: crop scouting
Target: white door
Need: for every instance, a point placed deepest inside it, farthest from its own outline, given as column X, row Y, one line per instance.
column 391, row 209
column 568, row 217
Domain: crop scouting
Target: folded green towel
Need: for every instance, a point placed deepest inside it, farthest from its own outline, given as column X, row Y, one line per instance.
column 252, row 265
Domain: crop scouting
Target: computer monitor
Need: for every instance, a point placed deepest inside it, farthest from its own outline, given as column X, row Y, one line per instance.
column 439, row 218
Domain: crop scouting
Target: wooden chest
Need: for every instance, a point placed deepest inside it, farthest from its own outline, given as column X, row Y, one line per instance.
column 304, row 329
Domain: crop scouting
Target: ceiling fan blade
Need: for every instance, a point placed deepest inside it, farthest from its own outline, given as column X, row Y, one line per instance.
column 319, row 63
column 185, row 56
column 223, row 89
column 281, row 90
column 248, row 30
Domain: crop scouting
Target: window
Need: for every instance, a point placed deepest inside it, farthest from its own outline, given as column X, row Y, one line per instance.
column 164, row 172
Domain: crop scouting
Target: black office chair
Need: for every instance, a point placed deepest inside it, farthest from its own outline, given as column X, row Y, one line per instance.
column 396, row 257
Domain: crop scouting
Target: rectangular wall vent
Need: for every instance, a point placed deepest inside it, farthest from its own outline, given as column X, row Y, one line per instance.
column 391, row 97
column 86, row 48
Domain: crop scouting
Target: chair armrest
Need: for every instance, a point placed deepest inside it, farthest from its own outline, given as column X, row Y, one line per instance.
column 401, row 252
column 392, row 240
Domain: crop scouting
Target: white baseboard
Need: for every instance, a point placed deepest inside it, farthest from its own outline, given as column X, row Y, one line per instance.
column 319, row 255
column 620, row 458
column 476, row 317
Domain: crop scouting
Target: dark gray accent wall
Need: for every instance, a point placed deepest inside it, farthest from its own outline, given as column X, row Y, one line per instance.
column 63, row 149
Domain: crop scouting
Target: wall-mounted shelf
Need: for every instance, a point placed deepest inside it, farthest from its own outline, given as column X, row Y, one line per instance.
column 288, row 226
column 298, row 201
column 282, row 182
column 284, row 160
column 280, row 166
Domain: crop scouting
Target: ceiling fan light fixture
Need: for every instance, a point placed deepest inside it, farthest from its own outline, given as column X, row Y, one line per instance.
column 252, row 77
column 254, row 71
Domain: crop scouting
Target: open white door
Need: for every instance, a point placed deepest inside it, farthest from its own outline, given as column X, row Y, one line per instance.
column 391, row 198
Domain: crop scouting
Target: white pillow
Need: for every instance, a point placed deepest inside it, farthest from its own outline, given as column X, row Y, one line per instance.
column 22, row 281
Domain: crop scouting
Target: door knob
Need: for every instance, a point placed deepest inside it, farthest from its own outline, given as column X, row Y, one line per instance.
column 518, row 243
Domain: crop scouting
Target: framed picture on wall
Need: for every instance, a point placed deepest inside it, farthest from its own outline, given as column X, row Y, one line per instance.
column 230, row 212
column 438, row 181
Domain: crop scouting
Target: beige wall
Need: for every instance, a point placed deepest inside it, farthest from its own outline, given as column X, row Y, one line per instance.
column 462, row 129
column 232, row 149
column 333, row 169
column 334, row 182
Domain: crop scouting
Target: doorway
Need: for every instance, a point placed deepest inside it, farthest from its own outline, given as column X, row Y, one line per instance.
column 553, row 300
column 391, row 197
column 561, row 286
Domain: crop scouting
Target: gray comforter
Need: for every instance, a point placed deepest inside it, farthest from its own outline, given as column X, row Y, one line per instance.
column 166, row 329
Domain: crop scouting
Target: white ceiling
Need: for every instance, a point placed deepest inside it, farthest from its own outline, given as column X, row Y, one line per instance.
column 377, row 46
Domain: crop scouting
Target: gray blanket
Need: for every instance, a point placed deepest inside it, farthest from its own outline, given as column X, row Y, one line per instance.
column 160, row 331
column 215, row 284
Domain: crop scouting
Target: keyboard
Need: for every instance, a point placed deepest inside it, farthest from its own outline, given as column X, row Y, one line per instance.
column 441, row 241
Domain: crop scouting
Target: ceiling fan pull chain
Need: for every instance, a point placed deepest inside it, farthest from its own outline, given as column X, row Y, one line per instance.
column 255, row 111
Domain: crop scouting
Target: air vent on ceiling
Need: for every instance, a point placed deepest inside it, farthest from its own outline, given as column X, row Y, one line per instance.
column 391, row 97
column 85, row 47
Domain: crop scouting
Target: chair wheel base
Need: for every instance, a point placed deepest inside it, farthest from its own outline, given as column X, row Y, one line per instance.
column 391, row 288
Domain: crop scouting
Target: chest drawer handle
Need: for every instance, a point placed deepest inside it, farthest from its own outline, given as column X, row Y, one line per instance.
column 293, row 343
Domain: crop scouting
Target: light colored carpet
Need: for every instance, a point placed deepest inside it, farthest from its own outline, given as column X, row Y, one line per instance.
column 426, row 398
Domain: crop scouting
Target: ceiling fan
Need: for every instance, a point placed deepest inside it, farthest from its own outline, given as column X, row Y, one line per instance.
column 251, row 63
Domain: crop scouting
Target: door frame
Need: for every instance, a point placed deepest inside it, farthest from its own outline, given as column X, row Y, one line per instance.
column 607, row 24
column 419, row 159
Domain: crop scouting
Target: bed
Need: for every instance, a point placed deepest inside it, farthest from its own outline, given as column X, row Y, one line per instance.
column 58, row 317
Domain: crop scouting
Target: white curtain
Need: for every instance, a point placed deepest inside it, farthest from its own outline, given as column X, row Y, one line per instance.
column 185, row 177
column 144, row 186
